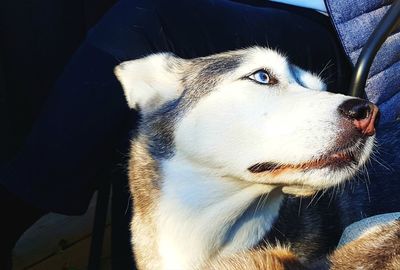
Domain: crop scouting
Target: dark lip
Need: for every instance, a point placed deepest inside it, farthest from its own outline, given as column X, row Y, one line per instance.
column 335, row 159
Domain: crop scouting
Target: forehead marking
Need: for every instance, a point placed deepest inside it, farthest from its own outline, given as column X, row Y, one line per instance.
column 160, row 124
column 210, row 73
column 221, row 66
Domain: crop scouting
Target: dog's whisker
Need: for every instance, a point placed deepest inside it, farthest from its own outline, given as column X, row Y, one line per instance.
column 259, row 202
column 327, row 65
column 276, row 229
column 376, row 153
column 299, row 210
column 333, row 194
column 321, row 196
column 312, row 199
column 128, row 204
column 381, row 162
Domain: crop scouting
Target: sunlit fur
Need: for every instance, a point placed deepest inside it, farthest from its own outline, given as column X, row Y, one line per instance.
column 204, row 123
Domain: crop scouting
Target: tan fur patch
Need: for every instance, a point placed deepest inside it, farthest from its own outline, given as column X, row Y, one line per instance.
column 299, row 190
column 377, row 249
column 144, row 186
column 143, row 175
column 272, row 259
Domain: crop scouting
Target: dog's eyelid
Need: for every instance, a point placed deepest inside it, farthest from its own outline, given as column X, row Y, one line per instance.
column 260, row 69
column 272, row 78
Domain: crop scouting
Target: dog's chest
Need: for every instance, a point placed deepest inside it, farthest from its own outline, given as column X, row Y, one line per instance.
column 199, row 218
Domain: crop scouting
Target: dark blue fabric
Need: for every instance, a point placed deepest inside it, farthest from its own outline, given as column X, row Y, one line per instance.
column 73, row 139
column 354, row 22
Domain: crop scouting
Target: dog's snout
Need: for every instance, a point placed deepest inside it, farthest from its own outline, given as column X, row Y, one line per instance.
column 362, row 113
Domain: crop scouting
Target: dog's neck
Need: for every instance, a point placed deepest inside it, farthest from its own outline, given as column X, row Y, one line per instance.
column 202, row 214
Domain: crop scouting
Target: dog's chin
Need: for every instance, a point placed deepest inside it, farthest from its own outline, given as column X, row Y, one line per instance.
column 325, row 171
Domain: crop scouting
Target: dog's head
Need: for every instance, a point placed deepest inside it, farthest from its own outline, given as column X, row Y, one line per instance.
column 251, row 115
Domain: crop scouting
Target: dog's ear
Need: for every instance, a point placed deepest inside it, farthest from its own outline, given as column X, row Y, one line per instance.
column 151, row 81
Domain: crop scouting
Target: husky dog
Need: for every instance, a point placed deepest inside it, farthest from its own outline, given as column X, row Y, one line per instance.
column 222, row 139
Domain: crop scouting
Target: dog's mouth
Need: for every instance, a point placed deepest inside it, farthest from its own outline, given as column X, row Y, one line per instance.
column 338, row 159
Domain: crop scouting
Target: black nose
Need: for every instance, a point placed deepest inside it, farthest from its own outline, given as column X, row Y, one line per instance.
column 364, row 114
column 355, row 109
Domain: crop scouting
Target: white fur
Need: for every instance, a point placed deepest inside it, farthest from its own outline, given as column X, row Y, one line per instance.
column 197, row 211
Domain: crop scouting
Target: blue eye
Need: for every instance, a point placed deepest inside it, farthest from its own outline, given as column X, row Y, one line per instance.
column 260, row 76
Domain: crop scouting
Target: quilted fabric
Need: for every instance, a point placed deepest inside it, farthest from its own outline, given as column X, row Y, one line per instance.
column 354, row 22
